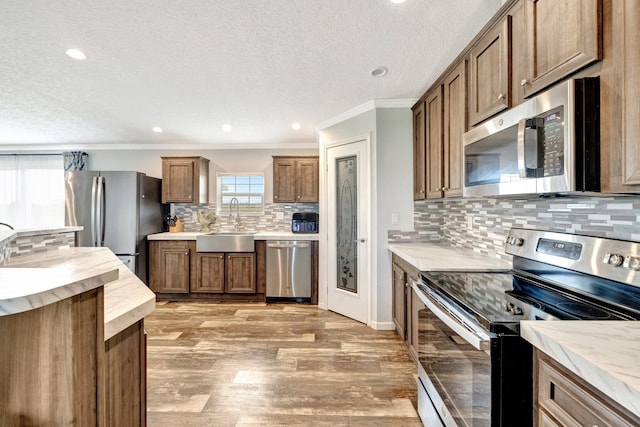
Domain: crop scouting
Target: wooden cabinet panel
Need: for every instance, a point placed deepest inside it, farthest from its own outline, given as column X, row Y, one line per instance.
column 307, row 185
column 185, row 180
column 295, row 179
column 209, row 273
column 170, row 266
column 261, row 266
column 564, row 36
column 489, row 76
column 455, row 125
column 519, row 55
column 399, row 300
column 419, row 156
column 631, row 94
column 284, row 172
column 564, row 399
column 126, row 371
column 240, row 272
column 434, row 135
column 416, row 306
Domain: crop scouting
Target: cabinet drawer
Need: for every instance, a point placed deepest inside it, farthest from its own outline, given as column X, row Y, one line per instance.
column 564, row 400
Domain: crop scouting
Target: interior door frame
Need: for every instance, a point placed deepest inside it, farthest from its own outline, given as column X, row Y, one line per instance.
column 324, row 248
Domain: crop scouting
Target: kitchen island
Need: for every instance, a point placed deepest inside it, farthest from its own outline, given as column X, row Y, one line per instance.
column 71, row 322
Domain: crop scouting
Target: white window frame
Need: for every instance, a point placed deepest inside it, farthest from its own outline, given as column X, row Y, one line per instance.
column 221, row 209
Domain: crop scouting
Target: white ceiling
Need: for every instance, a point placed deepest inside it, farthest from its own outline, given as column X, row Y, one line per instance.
column 189, row 66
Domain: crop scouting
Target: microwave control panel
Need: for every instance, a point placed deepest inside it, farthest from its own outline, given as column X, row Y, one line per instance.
column 552, row 142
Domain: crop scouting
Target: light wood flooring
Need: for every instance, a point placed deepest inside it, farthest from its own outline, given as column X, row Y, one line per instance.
column 276, row 364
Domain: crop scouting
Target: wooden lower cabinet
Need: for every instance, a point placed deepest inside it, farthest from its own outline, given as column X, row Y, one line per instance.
column 126, row 377
column 170, row 265
column 406, row 303
column 210, row 273
column 563, row 399
column 240, row 273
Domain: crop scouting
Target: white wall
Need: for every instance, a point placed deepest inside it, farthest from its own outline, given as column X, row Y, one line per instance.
column 391, row 132
column 240, row 160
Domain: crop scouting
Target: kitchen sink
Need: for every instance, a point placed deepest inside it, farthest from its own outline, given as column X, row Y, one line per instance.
column 226, row 241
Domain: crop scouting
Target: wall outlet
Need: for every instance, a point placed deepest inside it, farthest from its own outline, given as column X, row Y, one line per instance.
column 279, row 215
column 395, row 219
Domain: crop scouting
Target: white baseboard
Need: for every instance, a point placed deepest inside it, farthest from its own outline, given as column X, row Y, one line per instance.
column 383, row 326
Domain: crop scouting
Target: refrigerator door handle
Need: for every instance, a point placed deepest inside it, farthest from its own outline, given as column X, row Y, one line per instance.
column 94, row 222
column 100, row 211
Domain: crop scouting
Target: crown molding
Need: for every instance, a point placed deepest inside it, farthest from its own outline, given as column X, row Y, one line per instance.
column 363, row 108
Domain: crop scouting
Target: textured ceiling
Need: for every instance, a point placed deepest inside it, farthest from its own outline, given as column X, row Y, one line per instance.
column 189, row 66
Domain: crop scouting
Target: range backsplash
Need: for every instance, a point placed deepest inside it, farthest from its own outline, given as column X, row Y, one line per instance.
column 482, row 224
column 266, row 222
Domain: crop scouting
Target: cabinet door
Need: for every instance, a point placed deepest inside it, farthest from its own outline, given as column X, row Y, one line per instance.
column 630, row 96
column 399, row 300
column 307, row 180
column 433, row 130
column 564, row 36
column 169, row 271
column 489, row 76
column 209, row 273
column 284, row 171
column 419, row 157
column 519, row 53
column 455, row 125
column 240, row 272
column 178, row 180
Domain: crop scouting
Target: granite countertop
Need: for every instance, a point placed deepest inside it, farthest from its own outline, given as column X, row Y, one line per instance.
column 259, row 235
column 126, row 298
column 440, row 257
column 603, row 353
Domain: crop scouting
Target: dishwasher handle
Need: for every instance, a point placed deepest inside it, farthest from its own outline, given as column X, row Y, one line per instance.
column 288, row 244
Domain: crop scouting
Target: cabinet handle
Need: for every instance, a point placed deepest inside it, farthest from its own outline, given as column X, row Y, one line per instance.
column 524, row 82
column 501, row 96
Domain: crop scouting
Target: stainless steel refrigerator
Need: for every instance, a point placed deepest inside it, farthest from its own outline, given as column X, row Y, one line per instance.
column 117, row 210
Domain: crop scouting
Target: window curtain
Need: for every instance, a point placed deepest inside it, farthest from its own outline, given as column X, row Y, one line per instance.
column 74, row 160
column 32, row 191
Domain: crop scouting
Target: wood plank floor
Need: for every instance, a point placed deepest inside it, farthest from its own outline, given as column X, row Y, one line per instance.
column 276, row 364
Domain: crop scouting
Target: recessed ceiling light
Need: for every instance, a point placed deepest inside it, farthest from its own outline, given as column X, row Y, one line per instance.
column 379, row 71
column 76, row 54
column 295, row 126
column 157, row 129
column 226, row 128
column 397, row 1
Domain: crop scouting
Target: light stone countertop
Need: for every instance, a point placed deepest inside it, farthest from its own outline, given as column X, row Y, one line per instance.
column 126, row 298
column 7, row 236
column 603, row 353
column 259, row 235
column 439, row 257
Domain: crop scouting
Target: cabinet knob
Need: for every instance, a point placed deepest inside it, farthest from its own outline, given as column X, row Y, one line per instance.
column 186, row 253
column 524, row 82
column 501, row 96
column 421, row 191
column 275, row 197
column 444, row 189
column 298, row 197
column 221, row 256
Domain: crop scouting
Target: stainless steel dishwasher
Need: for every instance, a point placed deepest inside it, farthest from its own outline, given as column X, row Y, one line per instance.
column 289, row 269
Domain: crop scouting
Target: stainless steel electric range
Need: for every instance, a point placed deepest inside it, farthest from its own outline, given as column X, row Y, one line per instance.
column 475, row 369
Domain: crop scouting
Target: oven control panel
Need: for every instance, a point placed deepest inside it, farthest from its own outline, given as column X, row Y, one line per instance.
column 616, row 260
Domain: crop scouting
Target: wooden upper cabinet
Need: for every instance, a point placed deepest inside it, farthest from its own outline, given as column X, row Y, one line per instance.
column 489, row 73
column 519, row 55
column 631, row 95
column 240, row 273
column 419, row 157
column 455, row 125
column 564, row 36
column 434, row 135
column 185, row 180
column 209, row 273
column 295, row 179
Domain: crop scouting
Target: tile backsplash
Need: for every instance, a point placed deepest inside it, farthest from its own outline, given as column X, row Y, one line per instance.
column 276, row 217
column 482, row 224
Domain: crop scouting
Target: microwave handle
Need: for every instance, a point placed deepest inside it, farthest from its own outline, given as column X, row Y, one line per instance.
column 522, row 165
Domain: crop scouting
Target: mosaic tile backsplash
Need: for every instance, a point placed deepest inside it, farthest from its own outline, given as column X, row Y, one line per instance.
column 269, row 221
column 482, row 224
column 42, row 243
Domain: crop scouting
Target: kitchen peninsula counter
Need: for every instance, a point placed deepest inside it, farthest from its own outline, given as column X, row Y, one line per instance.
column 603, row 353
column 442, row 257
column 34, row 280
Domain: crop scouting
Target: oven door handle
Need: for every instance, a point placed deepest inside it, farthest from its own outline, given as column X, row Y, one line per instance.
column 478, row 339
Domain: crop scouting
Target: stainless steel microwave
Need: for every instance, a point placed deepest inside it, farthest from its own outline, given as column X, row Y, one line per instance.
column 548, row 144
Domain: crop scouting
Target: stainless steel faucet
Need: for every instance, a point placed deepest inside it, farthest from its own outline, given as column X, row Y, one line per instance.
column 239, row 225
